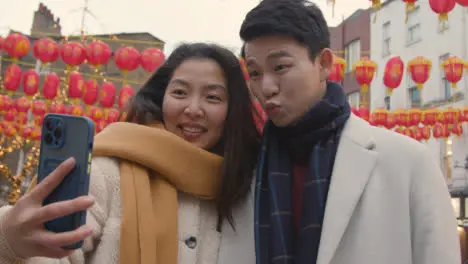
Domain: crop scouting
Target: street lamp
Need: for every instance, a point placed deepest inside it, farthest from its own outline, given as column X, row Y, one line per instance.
column 460, row 206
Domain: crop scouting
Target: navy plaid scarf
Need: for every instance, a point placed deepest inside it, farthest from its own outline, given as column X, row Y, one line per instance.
column 315, row 138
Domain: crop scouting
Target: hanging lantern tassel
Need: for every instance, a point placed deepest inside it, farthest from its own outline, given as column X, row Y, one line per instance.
column 409, row 7
column 443, row 18
column 389, row 91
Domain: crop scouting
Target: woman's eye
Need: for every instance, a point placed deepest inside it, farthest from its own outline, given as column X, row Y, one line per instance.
column 214, row 98
column 178, row 92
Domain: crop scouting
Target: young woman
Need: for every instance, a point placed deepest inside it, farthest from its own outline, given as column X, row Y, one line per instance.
column 165, row 185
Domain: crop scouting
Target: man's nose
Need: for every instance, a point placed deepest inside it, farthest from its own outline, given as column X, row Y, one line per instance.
column 269, row 87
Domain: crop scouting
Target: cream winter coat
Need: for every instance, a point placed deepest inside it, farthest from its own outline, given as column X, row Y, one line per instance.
column 199, row 242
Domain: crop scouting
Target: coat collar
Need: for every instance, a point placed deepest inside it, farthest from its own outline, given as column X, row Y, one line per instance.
column 355, row 160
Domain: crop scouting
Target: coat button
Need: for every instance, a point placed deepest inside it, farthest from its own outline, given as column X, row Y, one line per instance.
column 191, row 242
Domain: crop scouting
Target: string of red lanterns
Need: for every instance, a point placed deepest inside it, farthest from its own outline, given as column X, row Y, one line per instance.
column 420, row 124
column 96, row 53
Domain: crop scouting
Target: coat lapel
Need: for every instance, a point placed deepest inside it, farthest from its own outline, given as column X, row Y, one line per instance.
column 354, row 163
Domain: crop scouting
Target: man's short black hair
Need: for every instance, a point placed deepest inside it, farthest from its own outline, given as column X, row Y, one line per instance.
column 299, row 19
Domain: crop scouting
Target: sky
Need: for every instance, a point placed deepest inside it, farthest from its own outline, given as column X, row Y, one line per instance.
column 173, row 21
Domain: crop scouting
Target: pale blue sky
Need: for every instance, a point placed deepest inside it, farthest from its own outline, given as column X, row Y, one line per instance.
column 171, row 20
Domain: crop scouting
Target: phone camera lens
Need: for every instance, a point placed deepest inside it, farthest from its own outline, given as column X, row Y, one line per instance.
column 48, row 124
column 48, row 139
column 58, row 132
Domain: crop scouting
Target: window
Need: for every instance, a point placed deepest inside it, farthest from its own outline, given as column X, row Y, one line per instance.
column 352, row 53
column 386, row 39
column 446, row 88
column 413, row 27
column 354, row 99
column 446, row 154
column 414, row 95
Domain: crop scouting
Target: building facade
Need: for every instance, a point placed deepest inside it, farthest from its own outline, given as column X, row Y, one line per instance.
column 351, row 41
column 422, row 35
column 46, row 25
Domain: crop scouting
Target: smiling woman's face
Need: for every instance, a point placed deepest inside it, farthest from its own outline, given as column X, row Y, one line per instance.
column 195, row 103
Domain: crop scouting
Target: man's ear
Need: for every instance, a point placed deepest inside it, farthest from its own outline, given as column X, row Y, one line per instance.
column 326, row 60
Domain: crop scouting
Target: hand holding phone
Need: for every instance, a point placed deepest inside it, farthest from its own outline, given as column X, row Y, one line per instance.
column 65, row 136
column 23, row 225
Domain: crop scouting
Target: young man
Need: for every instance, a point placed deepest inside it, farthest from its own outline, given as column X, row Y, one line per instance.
column 331, row 189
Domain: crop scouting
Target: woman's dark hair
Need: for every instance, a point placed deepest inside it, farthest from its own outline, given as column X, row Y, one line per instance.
column 240, row 140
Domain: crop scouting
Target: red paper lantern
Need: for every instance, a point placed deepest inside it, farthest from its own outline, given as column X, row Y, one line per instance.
column 414, row 117
column 12, row 78
column 26, row 132
column 38, row 120
column 401, row 117
column 6, row 103
column 36, row 134
column 30, row 82
column 393, row 73
column 417, row 133
column 76, row 110
column 10, row 115
column 96, row 114
column 419, row 68
column 10, row 130
column 127, row 59
column 75, row 86
column 463, row 3
column 391, row 121
column 57, row 108
column 364, row 71
column 98, row 53
column 430, row 117
column 51, row 86
column 379, row 117
column 46, row 50
column 449, row 116
column 22, row 105
column 107, row 95
column 442, row 7
column 453, row 68
column 16, row 45
column 426, row 133
column 124, row 94
column 457, row 129
column 337, row 70
column 90, row 94
column 364, row 113
column 2, row 41
column 39, row 108
column 73, row 53
column 100, row 126
column 151, row 59
column 112, row 115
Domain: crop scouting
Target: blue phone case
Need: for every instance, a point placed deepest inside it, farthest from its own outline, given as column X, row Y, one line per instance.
column 65, row 136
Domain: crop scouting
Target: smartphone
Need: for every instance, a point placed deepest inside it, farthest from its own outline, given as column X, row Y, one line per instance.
column 65, row 136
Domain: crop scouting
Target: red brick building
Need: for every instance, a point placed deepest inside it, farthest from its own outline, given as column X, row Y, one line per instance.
column 351, row 41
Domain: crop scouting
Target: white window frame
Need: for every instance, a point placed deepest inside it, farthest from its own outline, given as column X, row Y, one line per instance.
column 413, row 27
column 352, row 53
column 386, row 39
column 354, row 99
